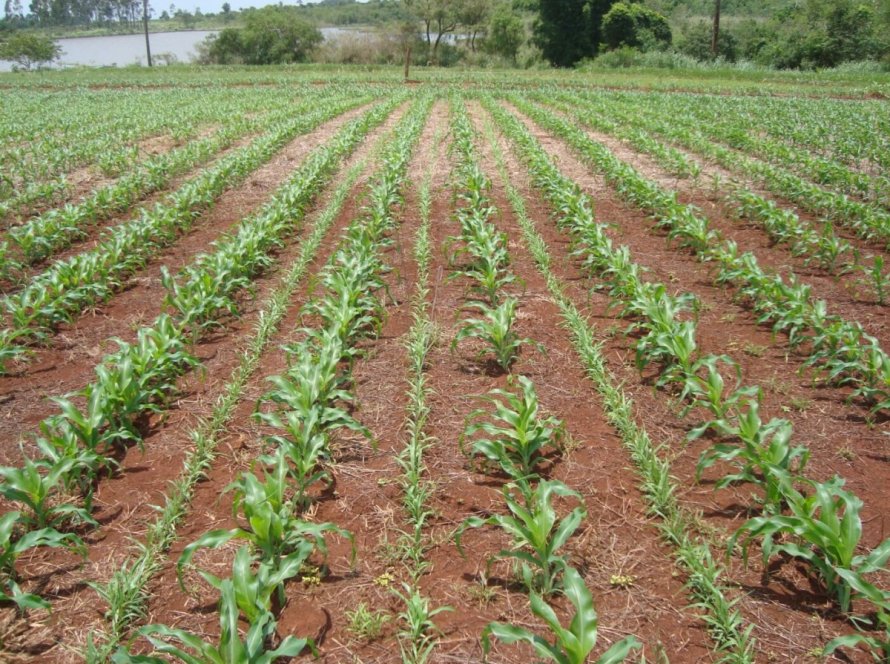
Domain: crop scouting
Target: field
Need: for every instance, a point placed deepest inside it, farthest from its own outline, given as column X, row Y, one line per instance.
column 325, row 365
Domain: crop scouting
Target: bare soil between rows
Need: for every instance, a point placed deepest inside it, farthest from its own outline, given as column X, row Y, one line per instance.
column 617, row 538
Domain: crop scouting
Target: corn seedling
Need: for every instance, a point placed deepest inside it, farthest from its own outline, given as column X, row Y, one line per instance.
column 496, row 330
column 536, row 530
column 11, row 547
column 572, row 644
column 231, row 648
column 416, row 640
column 517, row 437
column 763, row 454
column 825, row 530
column 36, row 485
column 272, row 527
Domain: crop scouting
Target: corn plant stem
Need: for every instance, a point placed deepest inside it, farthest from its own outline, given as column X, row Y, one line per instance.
column 139, row 570
column 693, row 554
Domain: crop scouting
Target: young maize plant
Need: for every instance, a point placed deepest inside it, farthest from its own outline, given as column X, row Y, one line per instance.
column 516, row 439
column 13, row 545
column 44, row 235
column 71, row 285
column 868, row 221
column 272, row 525
column 536, row 531
column 305, row 401
column 776, row 465
column 137, row 377
column 571, row 645
column 762, row 452
column 417, row 638
column 824, row 530
column 785, row 227
column 421, row 339
column 496, row 330
column 231, row 648
column 877, row 279
column 482, row 242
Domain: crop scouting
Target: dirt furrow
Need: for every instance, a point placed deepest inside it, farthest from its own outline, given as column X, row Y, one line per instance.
column 617, row 538
column 124, row 503
column 66, row 365
column 840, row 439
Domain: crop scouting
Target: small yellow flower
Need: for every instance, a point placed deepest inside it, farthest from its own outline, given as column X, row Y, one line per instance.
column 622, row 580
column 384, row 580
column 311, row 575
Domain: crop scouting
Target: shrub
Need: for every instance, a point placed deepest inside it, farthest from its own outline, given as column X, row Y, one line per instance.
column 271, row 35
column 27, row 49
column 631, row 24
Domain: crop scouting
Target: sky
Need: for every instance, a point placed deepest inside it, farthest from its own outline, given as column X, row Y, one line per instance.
column 214, row 6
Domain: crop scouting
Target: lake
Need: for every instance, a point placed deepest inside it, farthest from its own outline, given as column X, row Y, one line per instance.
column 122, row 50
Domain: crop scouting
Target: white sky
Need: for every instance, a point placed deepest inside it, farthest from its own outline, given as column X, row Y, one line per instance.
column 214, row 6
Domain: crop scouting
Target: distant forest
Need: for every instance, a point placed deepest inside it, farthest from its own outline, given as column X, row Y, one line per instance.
column 774, row 33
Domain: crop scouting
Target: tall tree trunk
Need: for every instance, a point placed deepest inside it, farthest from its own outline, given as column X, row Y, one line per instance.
column 407, row 60
column 145, row 23
column 716, row 35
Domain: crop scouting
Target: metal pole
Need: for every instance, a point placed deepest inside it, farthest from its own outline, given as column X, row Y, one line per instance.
column 145, row 24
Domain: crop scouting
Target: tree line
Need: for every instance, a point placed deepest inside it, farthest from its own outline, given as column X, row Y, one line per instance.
column 776, row 33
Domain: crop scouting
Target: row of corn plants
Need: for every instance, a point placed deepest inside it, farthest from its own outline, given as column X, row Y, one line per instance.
column 42, row 236
column 418, row 636
column 851, row 133
column 69, row 286
column 838, row 348
column 80, row 443
column 305, row 407
column 36, row 165
column 678, row 525
column 482, row 256
column 734, row 130
column 867, row 221
column 823, row 524
column 125, row 592
column 822, row 247
column 54, row 132
column 512, row 439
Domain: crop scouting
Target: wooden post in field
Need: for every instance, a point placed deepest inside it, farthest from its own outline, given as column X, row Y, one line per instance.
column 145, row 24
column 716, row 34
column 407, row 60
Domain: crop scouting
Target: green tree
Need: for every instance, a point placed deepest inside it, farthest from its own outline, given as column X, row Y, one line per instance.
column 473, row 16
column 823, row 33
column 696, row 42
column 633, row 24
column 271, row 35
column 506, row 32
column 27, row 49
column 569, row 30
